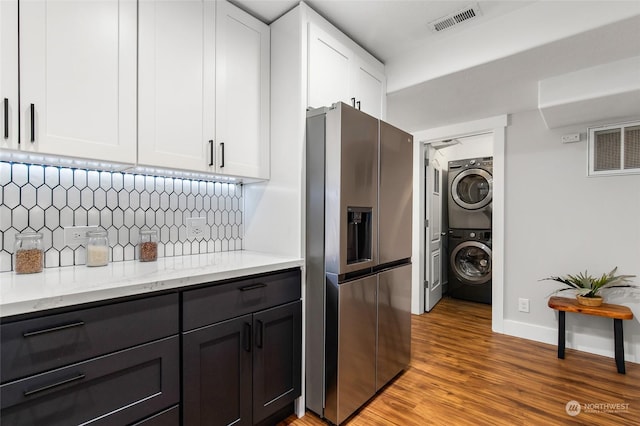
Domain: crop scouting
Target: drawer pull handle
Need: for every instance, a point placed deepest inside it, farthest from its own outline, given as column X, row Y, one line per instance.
column 33, row 122
column 247, row 337
column 6, row 118
column 260, row 335
column 54, row 385
column 52, row 329
column 252, row 287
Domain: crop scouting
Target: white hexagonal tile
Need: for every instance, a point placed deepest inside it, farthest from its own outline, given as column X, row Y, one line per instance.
column 20, row 218
column 173, row 234
column 66, row 181
column 66, row 217
column 44, row 196
column 36, row 175
column 160, row 215
column 11, row 195
column 52, row 218
column 93, row 179
column 129, row 252
column 123, row 236
column 112, row 199
column 51, row 176
column 52, row 258
column 20, row 174
column 144, row 200
column 129, row 182
column 5, row 218
column 36, row 218
column 47, row 238
column 139, row 183
column 164, row 234
column 100, row 198
column 150, row 218
column 5, row 173
column 134, row 199
column 154, row 200
column 5, row 261
column 80, row 217
column 182, row 202
column 164, row 201
column 58, row 238
column 139, row 218
column 191, row 202
column 86, row 198
column 105, row 180
column 117, row 254
column 129, row 218
column 93, row 216
column 149, row 183
column 73, row 198
column 117, row 181
column 66, row 257
column 173, row 201
column 106, row 218
column 59, row 197
column 80, row 178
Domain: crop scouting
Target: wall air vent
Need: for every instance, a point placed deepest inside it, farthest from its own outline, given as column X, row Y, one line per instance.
column 455, row 18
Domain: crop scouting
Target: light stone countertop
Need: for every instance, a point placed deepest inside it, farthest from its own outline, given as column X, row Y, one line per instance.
column 73, row 285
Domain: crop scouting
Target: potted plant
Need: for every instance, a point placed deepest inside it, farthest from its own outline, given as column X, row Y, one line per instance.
column 588, row 288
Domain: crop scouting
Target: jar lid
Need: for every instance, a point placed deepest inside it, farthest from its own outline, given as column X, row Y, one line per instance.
column 29, row 236
column 97, row 233
column 148, row 232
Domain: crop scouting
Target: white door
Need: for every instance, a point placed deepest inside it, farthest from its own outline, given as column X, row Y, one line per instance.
column 329, row 69
column 9, row 74
column 242, row 93
column 368, row 88
column 78, row 78
column 176, row 85
column 433, row 232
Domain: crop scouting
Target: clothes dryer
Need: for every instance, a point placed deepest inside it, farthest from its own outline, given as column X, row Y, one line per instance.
column 470, row 264
column 470, row 193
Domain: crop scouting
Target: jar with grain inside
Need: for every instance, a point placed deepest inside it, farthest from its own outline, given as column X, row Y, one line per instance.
column 28, row 253
column 97, row 248
column 148, row 245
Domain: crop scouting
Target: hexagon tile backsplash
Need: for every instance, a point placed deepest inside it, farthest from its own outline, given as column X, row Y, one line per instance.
column 47, row 199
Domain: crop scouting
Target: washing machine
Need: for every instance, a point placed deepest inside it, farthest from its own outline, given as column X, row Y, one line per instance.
column 470, row 193
column 470, row 264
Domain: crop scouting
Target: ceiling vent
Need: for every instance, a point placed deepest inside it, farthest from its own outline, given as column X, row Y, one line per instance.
column 455, row 18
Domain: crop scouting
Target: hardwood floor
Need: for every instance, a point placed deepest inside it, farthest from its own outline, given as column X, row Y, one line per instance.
column 463, row 374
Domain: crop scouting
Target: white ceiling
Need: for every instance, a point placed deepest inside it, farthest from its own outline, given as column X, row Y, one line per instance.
column 393, row 30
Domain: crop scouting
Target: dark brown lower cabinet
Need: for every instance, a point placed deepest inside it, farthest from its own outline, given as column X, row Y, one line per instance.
column 242, row 370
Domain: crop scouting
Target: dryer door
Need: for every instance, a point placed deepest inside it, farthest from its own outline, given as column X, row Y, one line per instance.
column 471, row 262
column 472, row 189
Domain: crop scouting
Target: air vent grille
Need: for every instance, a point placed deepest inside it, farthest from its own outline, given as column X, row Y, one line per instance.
column 614, row 149
column 455, row 18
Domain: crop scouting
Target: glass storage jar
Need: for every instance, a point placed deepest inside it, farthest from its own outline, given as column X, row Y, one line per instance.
column 148, row 245
column 97, row 248
column 28, row 254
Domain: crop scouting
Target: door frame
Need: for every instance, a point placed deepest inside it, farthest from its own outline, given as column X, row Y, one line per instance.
column 497, row 126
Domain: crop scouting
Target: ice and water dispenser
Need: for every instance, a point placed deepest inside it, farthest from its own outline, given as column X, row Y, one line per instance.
column 359, row 234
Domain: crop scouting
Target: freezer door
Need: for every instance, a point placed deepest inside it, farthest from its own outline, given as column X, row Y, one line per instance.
column 395, row 195
column 394, row 323
column 355, row 376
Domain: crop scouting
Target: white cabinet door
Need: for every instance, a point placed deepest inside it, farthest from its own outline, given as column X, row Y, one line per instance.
column 9, row 74
column 176, row 85
column 329, row 69
column 242, row 93
column 78, row 78
column 368, row 87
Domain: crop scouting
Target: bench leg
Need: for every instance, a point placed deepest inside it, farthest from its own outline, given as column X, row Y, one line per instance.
column 619, row 345
column 561, row 334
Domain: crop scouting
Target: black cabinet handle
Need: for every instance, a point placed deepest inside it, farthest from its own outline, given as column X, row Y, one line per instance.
column 353, row 102
column 358, row 103
column 252, row 287
column 33, row 122
column 6, row 118
column 260, row 335
column 222, row 162
column 211, row 152
column 52, row 329
column 54, row 385
column 246, row 338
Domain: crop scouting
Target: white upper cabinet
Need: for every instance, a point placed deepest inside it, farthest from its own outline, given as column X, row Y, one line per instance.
column 176, row 89
column 78, row 78
column 9, row 74
column 242, row 93
column 329, row 69
column 203, row 88
column 339, row 71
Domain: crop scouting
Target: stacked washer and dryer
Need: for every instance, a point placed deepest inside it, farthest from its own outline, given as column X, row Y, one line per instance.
column 470, row 207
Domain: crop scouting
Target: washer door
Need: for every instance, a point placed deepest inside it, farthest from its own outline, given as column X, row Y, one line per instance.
column 471, row 262
column 472, row 189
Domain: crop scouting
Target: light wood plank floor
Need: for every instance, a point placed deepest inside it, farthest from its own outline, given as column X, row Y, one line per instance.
column 463, row 374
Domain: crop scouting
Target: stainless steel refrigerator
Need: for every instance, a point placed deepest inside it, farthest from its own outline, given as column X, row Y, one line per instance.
column 358, row 258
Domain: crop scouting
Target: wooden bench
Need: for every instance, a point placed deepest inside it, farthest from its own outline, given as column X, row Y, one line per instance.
column 607, row 310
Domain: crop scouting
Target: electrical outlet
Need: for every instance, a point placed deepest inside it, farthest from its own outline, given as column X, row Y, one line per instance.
column 573, row 137
column 523, row 305
column 195, row 227
column 76, row 235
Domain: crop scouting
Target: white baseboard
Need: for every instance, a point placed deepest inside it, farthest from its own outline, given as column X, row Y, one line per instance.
column 579, row 341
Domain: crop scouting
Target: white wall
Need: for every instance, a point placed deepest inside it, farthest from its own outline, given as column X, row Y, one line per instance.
column 559, row 221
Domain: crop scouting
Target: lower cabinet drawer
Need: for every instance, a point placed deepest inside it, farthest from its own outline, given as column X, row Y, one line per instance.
column 115, row 389
column 51, row 341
